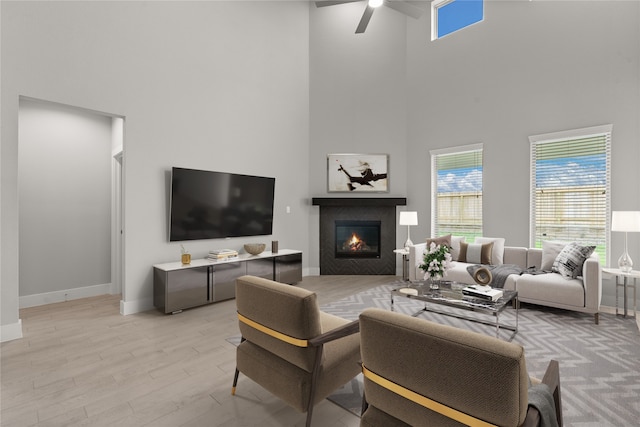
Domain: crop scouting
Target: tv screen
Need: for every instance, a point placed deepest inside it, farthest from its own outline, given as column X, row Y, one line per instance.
column 212, row 205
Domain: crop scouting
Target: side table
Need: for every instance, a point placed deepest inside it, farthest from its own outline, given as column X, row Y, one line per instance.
column 633, row 274
column 405, row 262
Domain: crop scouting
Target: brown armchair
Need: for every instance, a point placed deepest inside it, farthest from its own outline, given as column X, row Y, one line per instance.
column 420, row 373
column 289, row 346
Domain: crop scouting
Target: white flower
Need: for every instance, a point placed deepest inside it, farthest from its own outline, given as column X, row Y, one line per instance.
column 437, row 260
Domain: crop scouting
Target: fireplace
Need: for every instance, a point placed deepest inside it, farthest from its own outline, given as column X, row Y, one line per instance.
column 373, row 220
column 357, row 239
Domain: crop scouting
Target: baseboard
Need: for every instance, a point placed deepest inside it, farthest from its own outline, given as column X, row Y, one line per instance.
column 11, row 332
column 309, row 271
column 137, row 306
column 64, row 295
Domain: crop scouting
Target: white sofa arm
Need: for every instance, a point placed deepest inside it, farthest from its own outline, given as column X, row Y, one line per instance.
column 592, row 281
column 415, row 259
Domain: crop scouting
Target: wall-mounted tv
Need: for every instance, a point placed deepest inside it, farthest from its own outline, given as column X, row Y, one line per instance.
column 213, row 205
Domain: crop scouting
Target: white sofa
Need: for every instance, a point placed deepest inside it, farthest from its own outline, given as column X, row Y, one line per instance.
column 582, row 294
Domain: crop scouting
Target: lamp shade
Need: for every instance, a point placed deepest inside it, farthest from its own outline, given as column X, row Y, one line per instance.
column 408, row 218
column 628, row 221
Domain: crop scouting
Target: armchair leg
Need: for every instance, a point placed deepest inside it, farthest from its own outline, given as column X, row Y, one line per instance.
column 365, row 404
column 596, row 318
column 235, row 382
column 308, row 423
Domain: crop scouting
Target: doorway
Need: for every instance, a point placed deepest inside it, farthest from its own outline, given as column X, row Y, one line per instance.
column 70, row 181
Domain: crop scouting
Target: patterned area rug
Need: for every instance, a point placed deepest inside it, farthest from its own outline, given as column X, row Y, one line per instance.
column 599, row 364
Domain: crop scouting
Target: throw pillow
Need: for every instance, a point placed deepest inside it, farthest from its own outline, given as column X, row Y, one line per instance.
column 442, row 240
column 570, row 260
column 475, row 253
column 497, row 253
column 550, row 251
column 455, row 247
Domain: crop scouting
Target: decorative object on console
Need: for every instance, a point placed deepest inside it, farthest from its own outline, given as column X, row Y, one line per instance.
column 626, row 221
column 408, row 218
column 222, row 254
column 274, row 246
column 185, row 255
column 254, row 248
column 358, row 172
column 436, row 261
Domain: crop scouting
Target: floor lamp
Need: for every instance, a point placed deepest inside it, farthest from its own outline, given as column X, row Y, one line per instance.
column 627, row 221
column 408, row 219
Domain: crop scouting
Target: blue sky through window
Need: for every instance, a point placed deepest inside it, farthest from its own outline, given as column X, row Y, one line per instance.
column 458, row 14
column 564, row 172
column 572, row 171
column 459, row 180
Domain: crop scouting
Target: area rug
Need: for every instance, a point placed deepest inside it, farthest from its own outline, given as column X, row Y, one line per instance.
column 599, row 364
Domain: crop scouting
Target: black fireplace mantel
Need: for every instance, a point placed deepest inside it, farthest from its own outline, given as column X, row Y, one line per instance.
column 359, row 201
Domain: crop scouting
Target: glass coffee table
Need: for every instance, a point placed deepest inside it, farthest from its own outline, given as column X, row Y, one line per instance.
column 450, row 294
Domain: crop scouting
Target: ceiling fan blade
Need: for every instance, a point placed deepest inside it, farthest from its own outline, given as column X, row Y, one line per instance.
column 364, row 21
column 323, row 3
column 406, row 8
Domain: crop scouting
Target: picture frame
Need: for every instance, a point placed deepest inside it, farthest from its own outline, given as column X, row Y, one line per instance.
column 358, row 173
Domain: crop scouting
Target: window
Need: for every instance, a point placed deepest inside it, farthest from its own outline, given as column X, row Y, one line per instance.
column 456, row 193
column 448, row 16
column 570, row 182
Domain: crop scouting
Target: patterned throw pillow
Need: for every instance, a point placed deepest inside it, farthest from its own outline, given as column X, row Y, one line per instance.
column 475, row 253
column 570, row 260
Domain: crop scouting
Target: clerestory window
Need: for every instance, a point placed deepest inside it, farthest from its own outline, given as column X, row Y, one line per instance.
column 570, row 183
column 456, row 191
column 448, row 16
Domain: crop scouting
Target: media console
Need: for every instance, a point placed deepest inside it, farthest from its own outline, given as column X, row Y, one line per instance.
column 177, row 286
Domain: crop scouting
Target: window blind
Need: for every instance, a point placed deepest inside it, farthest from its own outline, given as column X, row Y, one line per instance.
column 456, row 196
column 570, row 182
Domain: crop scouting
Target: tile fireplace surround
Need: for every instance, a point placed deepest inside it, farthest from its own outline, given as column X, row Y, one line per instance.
column 381, row 209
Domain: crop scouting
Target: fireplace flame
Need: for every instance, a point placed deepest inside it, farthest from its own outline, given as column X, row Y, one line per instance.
column 355, row 243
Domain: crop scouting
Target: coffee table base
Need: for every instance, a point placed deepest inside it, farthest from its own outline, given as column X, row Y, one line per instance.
column 451, row 296
column 498, row 326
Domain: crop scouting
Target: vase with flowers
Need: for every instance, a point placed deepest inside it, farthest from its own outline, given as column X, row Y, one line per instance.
column 436, row 261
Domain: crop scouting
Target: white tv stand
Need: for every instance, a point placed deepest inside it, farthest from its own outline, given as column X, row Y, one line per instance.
column 177, row 286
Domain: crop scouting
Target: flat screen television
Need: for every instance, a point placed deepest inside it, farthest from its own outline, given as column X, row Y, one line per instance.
column 213, row 205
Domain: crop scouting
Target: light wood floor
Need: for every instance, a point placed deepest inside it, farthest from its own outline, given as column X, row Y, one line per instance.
column 81, row 363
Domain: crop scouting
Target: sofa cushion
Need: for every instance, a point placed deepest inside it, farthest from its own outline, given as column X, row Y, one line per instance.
column 475, row 253
column 455, row 246
column 550, row 251
column 497, row 254
column 452, row 241
column 442, row 240
column 570, row 260
column 550, row 287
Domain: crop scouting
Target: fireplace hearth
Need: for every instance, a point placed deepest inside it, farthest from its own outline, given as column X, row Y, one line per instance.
column 372, row 221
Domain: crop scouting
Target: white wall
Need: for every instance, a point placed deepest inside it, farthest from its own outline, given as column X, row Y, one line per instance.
column 64, row 178
column 358, row 98
column 208, row 85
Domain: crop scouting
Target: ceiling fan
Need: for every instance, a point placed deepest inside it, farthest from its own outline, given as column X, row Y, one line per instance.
column 397, row 5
